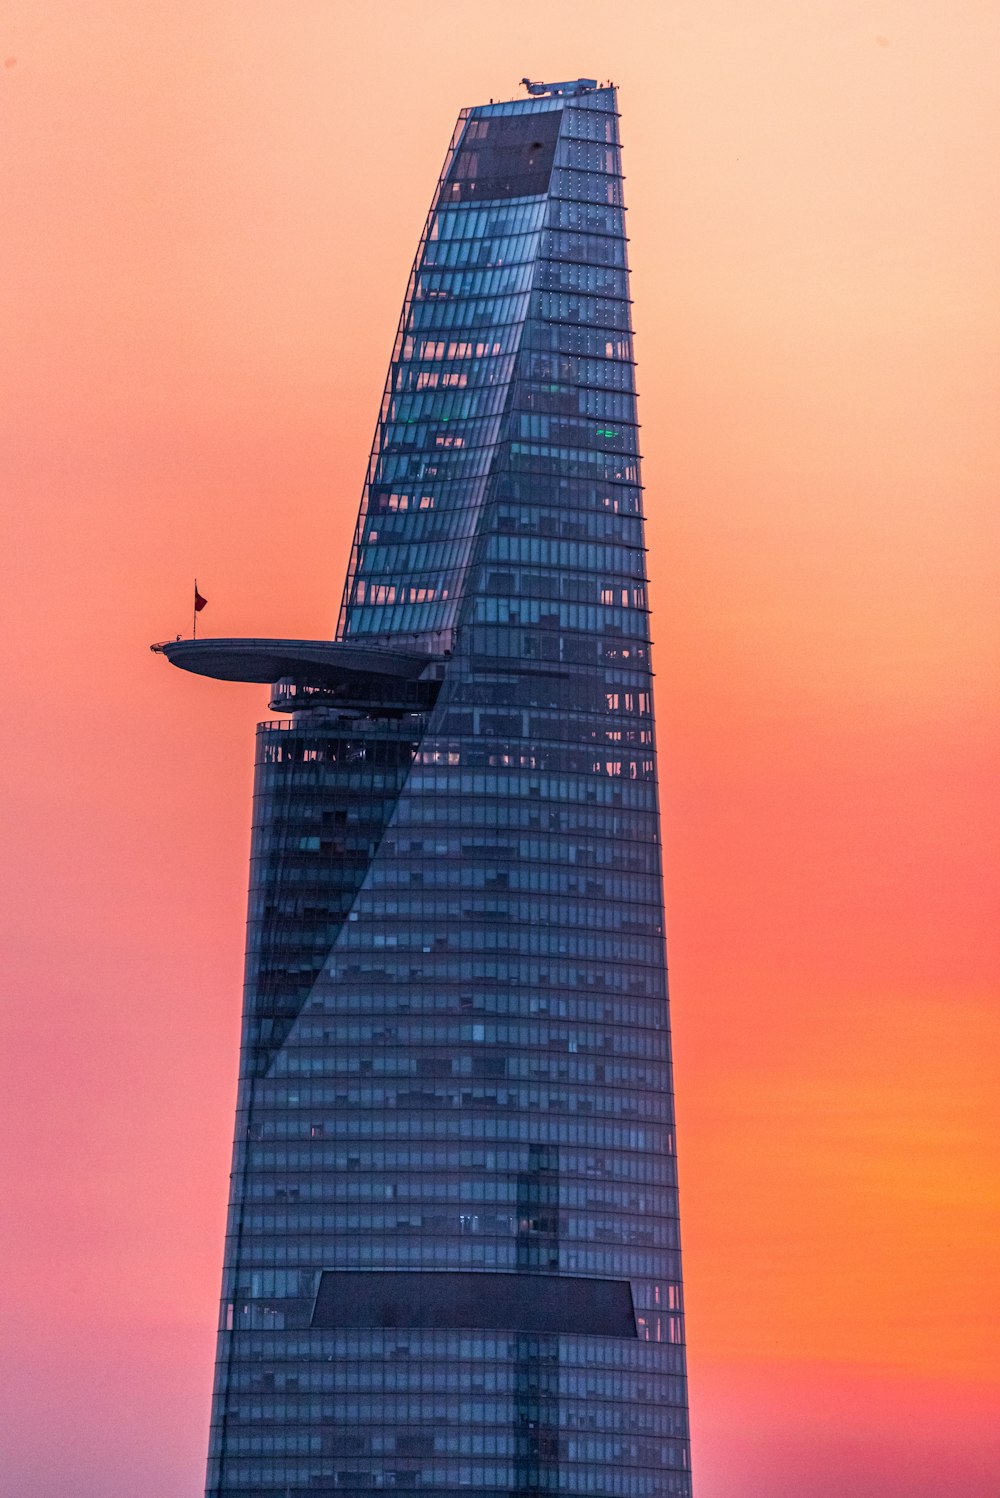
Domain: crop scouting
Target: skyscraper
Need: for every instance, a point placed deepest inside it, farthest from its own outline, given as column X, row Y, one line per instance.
column 452, row 1261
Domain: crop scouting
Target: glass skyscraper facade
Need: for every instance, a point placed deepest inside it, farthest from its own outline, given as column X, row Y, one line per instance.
column 452, row 1260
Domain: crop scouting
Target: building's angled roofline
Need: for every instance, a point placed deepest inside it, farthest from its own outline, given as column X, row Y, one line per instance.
column 314, row 662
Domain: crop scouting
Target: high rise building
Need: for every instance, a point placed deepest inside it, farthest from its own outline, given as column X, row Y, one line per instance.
column 452, row 1261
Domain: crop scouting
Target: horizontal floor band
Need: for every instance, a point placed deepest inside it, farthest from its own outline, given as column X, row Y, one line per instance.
column 553, row 1303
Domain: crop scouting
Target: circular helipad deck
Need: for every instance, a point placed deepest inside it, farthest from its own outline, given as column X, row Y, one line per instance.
column 312, row 662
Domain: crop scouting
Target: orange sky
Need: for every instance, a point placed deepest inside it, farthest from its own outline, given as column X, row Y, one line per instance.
column 209, row 214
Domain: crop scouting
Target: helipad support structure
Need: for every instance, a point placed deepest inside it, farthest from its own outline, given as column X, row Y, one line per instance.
column 453, row 1262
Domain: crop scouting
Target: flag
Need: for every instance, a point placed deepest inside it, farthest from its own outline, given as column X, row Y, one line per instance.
column 199, row 602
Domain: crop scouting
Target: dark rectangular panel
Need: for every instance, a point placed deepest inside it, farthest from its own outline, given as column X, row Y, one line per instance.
column 554, row 1303
column 506, row 156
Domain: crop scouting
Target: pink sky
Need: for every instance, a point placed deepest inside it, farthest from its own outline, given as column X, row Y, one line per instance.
column 209, row 215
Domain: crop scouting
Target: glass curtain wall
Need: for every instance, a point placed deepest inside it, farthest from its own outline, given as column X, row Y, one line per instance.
column 453, row 1258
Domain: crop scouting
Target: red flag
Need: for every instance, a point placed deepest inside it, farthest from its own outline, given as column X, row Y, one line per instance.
column 199, row 602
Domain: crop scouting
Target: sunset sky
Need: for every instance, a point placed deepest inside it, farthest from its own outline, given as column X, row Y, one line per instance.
column 209, row 213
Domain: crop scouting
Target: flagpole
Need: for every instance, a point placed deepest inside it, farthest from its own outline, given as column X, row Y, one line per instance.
column 199, row 604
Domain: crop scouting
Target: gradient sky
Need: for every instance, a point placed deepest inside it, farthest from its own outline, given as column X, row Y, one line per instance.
column 209, row 213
